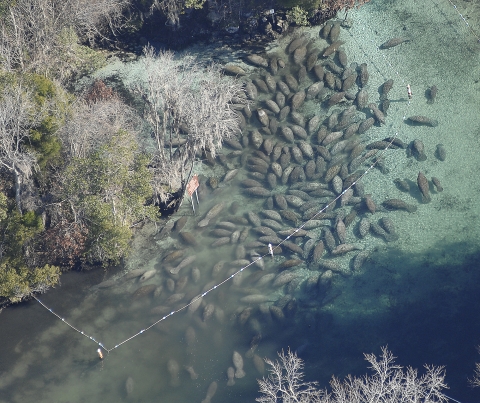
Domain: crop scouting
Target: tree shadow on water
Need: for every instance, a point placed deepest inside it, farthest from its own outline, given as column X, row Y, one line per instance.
column 423, row 306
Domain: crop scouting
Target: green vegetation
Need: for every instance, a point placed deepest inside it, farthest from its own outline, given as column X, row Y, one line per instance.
column 196, row 4
column 108, row 191
column 43, row 50
column 299, row 16
column 53, row 104
column 18, row 278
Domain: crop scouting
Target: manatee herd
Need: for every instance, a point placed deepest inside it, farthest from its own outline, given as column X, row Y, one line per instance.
column 286, row 213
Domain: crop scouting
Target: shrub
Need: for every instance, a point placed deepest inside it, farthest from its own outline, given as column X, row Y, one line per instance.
column 299, row 16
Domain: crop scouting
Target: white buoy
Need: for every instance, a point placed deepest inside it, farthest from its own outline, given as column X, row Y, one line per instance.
column 270, row 249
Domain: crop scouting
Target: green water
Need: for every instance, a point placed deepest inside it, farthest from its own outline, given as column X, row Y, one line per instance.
column 418, row 294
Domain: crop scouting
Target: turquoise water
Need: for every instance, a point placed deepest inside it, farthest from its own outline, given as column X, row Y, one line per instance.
column 418, row 294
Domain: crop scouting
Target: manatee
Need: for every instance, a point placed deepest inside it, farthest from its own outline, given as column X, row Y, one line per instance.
column 440, row 152
column 238, row 364
column 431, row 94
column 334, row 32
column 363, row 74
column 332, row 48
column 188, row 238
column 270, row 82
column 277, row 313
column 191, row 372
column 397, row 204
column 267, row 145
column 129, row 386
column 273, row 63
column 349, row 82
column 379, row 116
column 184, row 263
column 312, row 59
column 385, row 89
column 437, row 184
column 314, row 89
column 393, row 42
column 287, row 134
column 298, row 99
column 272, row 105
column 257, row 191
column 251, row 90
column 280, row 99
column 257, row 60
column 174, row 369
column 325, row 30
column 402, row 184
column 172, row 256
column 365, row 125
column 262, row 117
column 284, row 89
column 147, row 275
column 131, row 274
column 319, row 72
column 329, row 80
column 418, row 150
column 360, row 259
column 231, row 376
column 299, row 54
column 234, row 70
column 195, row 303
column 291, row 82
column 296, row 43
column 212, row 389
column 423, row 186
column 345, row 248
column 388, row 226
column 208, row 312
column 336, row 98
column 261, row 85
column 423, row 121
column 144, row 291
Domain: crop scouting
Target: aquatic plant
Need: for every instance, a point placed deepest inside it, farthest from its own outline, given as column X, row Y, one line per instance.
column 388, row 383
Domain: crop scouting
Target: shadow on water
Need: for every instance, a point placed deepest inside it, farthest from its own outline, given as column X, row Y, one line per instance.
column 425, row 311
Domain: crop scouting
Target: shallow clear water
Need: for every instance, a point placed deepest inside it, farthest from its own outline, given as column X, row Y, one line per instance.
column 418, row 294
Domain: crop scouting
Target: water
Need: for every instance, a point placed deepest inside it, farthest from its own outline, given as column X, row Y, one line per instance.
column 419, row 294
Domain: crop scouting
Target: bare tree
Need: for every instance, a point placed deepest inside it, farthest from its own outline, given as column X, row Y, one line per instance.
column 389, row 383
column 285, row 382
column 475, row 381
column 18, row 115
column 92, row 124
column 188, row 109
column 33, row 31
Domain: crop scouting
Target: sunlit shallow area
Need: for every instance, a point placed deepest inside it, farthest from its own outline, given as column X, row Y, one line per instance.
column 409, row 278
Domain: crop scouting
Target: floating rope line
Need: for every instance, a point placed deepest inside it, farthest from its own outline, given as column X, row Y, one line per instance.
column 68, row 324
column 379, row 152
column 464, row 20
